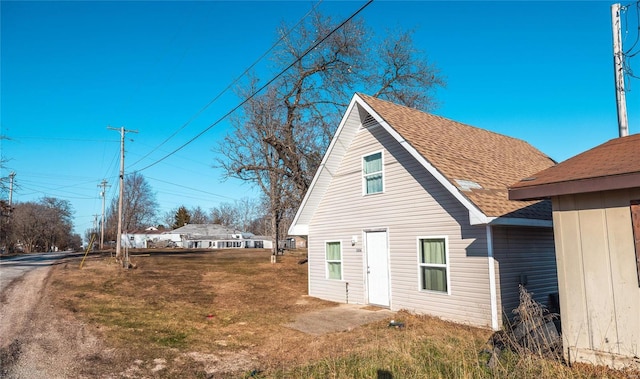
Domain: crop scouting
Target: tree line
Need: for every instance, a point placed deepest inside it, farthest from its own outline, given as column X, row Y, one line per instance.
column 43, row 225
column 141, row 211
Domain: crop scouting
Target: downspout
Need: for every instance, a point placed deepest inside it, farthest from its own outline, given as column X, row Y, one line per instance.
column 492, row 280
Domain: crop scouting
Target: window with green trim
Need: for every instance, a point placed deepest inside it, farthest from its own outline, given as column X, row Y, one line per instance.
column 333, row 255
column 433, row 264
column 372, row 173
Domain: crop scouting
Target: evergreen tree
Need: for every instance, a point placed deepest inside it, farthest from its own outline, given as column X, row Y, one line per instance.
column 182, row 218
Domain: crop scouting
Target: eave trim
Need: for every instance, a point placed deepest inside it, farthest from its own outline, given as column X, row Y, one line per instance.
column 597, row 184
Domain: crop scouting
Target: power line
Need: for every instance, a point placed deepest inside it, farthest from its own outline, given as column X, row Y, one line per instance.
column 628, row 54
column 189, row 188
column 186, row 158
column 626, row 10
column 64, row 139
column 230, row 85
column 48, row 194
column 50, row 189
column 252, row 95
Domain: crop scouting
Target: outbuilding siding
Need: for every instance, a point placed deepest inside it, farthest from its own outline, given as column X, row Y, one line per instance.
column 600, row 298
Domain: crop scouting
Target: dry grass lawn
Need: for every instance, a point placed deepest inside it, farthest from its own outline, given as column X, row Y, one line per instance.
column 221, row 314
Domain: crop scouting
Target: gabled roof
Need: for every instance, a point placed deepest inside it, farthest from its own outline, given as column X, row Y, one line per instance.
column 475, row 165
column 206, row 230
column 146, row 231
column 610, row 166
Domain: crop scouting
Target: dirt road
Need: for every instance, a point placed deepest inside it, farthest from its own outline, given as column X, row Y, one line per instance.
column 36, row 341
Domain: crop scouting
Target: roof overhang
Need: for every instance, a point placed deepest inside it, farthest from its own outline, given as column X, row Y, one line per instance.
column 509, row 221
column 299, row 230
column 603, row 183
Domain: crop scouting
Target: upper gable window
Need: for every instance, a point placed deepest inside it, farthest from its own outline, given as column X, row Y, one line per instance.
column 372, row 173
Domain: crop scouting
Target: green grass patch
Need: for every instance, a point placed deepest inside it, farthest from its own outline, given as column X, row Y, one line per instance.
column 170, row 338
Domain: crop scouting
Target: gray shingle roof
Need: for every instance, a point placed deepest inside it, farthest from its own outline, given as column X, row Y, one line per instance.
column 214, row 231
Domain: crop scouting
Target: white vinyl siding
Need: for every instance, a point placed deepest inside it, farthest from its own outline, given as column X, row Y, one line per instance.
column 372, row 173
column 333, row 255
column 413, row 204
column 524, row 256
column 433, row 264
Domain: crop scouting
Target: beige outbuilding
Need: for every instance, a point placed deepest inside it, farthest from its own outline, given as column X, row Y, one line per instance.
column 596, row 220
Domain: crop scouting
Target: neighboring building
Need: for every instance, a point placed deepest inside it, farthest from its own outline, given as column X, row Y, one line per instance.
column 195, row 236
column 409, row 210
column 596, row 219
column 148, row 238
column 293, row 242
column 216, row 236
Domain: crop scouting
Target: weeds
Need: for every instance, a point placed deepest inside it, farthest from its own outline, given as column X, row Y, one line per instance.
column 532, row 333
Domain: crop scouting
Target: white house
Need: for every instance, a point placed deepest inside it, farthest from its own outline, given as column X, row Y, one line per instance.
column 150, row 237
column 216, row 236
column 195, row 236
column 409, row 210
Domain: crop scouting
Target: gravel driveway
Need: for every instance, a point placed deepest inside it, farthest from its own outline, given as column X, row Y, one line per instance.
column 36, row 341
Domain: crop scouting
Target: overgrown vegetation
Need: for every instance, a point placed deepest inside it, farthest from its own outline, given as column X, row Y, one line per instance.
column 221, row 314
column 532, row 330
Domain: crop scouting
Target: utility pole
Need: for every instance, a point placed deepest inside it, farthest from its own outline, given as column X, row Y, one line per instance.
column 11, row 176
column 125, row 260
column 104, row 186
column 95, row 223
column 618, row 57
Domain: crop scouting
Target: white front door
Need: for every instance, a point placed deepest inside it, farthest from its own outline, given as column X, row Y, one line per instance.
column 377, row 268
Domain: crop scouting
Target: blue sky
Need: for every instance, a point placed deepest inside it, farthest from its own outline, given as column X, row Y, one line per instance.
column 538, row 71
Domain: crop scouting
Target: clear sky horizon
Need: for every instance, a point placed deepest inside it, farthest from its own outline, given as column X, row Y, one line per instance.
column 538, row 71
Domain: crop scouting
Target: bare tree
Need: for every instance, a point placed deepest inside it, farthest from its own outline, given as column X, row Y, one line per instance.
column 168, row 217
column 239, row 215
column 278, row 140
column 199, row 215
column 4, row 180
column 139, row 206
column 5, row 209
column 56, row 222
column 224, row 214
column 247, row 210
column 43, row 225
column 5, row 227
column 26, row 226
column 260, row 226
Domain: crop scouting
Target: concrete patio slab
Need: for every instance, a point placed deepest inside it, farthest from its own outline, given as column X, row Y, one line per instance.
column 341, row 318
